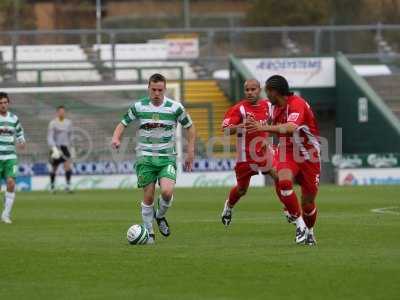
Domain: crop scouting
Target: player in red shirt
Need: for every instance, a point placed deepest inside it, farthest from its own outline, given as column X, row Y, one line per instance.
column 298, row 156
column 254, row 154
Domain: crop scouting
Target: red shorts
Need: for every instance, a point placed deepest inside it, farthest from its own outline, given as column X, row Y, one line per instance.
column 244, row 171
column 306, row 173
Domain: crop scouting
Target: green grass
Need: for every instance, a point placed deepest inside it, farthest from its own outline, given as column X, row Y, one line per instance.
column 74, row 247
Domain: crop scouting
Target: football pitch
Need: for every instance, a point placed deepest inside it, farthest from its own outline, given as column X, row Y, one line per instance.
column 74, row 247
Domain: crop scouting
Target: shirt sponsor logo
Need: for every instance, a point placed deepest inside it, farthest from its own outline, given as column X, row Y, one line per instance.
column 6, row 131
column 293, row 117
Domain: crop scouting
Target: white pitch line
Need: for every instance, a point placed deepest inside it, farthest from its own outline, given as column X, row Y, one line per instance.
column 386, row 210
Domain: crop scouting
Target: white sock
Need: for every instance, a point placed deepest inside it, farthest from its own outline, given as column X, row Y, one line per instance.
column 163, row 207
column 227, row 207
column 8, row 203
column 311, row 230
column 148, row 216
column 300, row 222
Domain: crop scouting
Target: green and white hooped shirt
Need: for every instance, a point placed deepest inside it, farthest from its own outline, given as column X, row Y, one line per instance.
column 11, row 132
column 157, row 125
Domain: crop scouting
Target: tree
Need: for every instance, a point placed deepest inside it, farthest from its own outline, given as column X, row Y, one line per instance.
column 288, row 13
column 16, row 15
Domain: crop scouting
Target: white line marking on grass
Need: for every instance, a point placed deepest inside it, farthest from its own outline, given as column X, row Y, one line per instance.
column 386, row 210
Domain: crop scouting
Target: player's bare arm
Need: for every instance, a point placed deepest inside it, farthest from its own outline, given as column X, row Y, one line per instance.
column 230, row 130
column 21, row 146
column 116, row 139
column 191, row 134
column 252, row 126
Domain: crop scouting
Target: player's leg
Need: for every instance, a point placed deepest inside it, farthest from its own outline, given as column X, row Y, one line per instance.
column 148, row 209
column 235, row 194
column 290, row 219
column 167, row 179
column 287, row 195
column 309, row 182
column 274, row 159
column 310, row 217
column 10, row 173
column 273, row 173
column 66, row 159
column 68, row 174
column 164, row 203
column 53, row 171
column 147, row 176
column 243, row 175
column 238, row 191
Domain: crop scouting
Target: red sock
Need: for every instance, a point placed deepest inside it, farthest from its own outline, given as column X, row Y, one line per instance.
column 234, row 196
column 278, row 191
column 288, row 197
column 310, row 214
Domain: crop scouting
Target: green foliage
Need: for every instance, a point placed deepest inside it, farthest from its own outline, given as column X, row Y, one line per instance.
column 316, row 12
column 9, row 9
column 288, row 12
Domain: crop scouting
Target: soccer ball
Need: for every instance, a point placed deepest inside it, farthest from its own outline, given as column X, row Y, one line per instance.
column 137, row 235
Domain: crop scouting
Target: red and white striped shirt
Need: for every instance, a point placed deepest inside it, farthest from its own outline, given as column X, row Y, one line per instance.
column 306, row 136
column 250, row 146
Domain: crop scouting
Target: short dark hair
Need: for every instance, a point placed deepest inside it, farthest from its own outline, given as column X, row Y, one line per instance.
column 278, row 83
column 4, row 95
column 157, row 78
column 60, row 107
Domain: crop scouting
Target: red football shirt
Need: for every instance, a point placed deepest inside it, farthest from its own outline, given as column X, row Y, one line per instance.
column 250, row 146
column 306, row 137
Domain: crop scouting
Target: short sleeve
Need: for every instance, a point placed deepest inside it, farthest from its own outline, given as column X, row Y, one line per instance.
column 129, row 116
column 232, row 117
column 183, row 117
column 296, row 113
column 19, row 132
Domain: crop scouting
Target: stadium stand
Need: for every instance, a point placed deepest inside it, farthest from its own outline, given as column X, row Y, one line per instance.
column 201, row 91
column 388, row 88
column 156, row 52
column 53, row 61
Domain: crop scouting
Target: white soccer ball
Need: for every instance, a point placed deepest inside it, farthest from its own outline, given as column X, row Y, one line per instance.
column 137, row 235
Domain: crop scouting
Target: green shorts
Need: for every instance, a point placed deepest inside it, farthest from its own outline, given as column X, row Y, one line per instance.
column 149, row 169
column 8, row 168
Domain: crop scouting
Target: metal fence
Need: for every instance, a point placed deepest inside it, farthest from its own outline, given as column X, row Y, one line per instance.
column 377, row 41
column 216, row 42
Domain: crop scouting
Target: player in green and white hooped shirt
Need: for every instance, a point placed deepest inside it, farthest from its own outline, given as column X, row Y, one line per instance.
column 156, row 157
column 11, row 132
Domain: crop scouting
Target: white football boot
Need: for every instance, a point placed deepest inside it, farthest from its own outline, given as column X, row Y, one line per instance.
column 5, row 218
column 226, row 216
column 301, row 231
column 310, row 239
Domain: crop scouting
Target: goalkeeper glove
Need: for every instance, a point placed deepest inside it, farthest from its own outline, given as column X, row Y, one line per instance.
column 55, row 153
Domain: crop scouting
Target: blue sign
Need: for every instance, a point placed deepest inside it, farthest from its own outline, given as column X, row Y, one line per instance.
column 24, row 183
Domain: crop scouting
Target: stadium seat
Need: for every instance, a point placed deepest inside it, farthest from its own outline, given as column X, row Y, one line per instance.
column 55, row 57
column 145, row 55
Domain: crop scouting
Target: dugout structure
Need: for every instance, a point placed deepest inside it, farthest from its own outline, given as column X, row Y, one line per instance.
column 352, row 116
column 367, row 123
